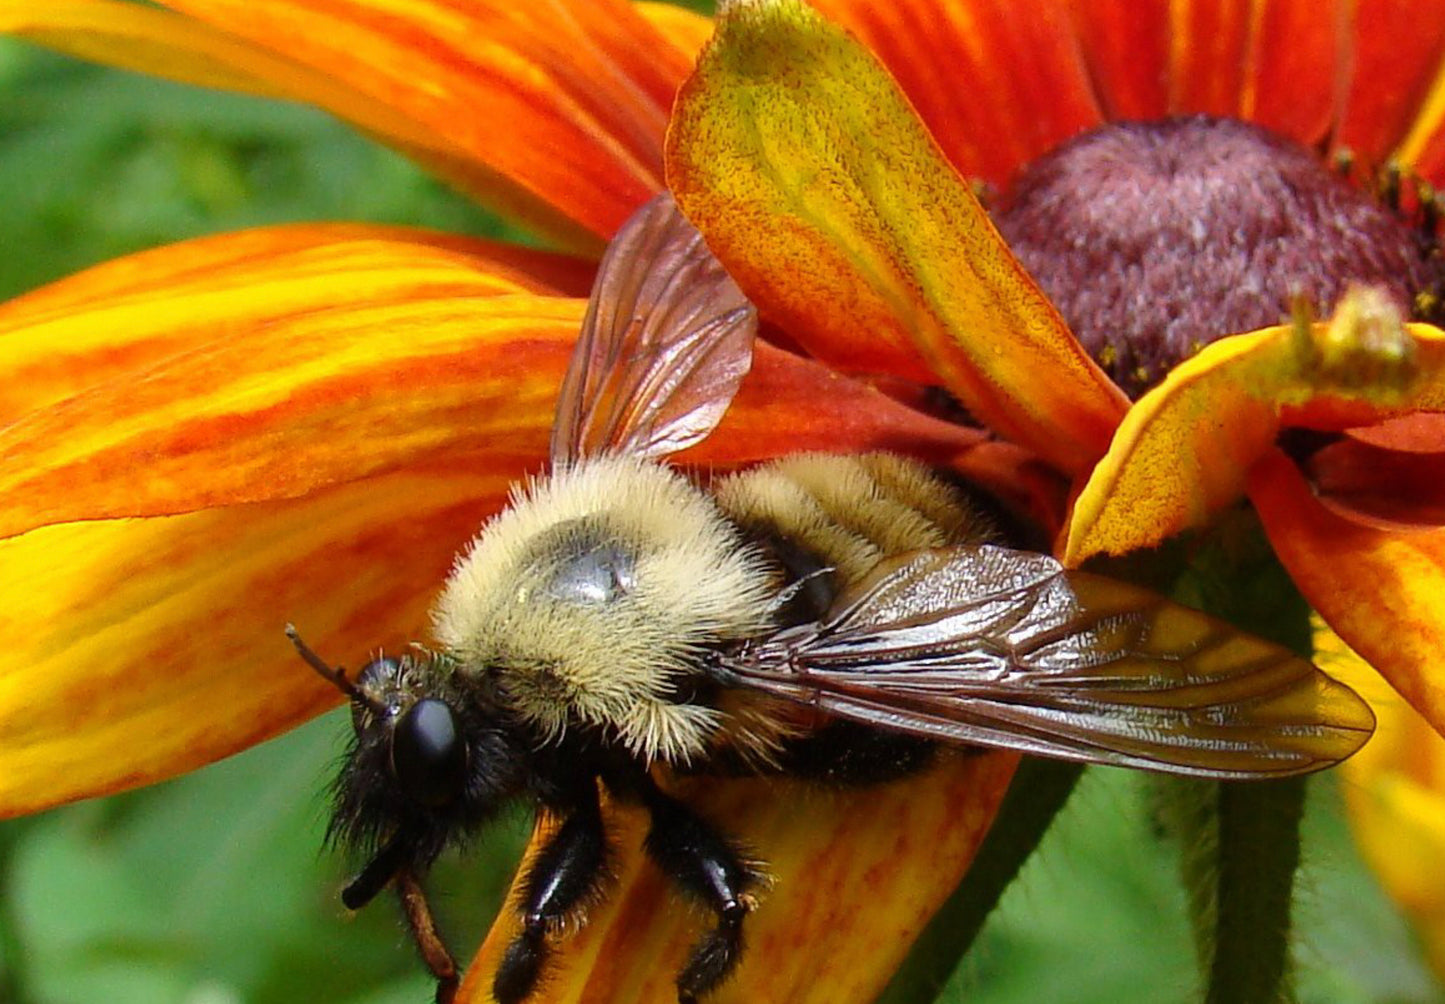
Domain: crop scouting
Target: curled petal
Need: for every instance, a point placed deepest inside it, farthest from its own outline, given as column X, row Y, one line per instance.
column 1382, row 591
column 874, row 255
column 1361, row 480
column 857, row 873
column 1185, row 448
column 139, row 649
column 996, row 89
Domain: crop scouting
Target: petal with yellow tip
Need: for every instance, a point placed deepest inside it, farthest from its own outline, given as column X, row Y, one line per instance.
column 856, row 875
column 1184, row 450
column 686, row 29
column 797, row 156
column 140, row 649
column 995, row 86
column 1382, row 591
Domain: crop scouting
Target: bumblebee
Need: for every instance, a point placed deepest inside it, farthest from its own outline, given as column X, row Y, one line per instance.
column 829, row 616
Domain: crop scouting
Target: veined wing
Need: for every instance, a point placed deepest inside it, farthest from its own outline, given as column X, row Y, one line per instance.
column 994, row 647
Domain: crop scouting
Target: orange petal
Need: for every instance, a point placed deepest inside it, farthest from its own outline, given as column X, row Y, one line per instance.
column 814, row 182
column 1381, row 591
column 1396, row 52
column 998, row 83
column 280, row 405
column 552, row 112
column 1273, row 62
column 789, row 404
column 1185, row 448
column 139, row 649
column 567, row 102
column 136, row 312
column 857, row 875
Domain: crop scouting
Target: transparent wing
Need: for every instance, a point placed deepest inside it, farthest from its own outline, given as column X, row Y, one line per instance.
column 666, row 340
column 988, row 646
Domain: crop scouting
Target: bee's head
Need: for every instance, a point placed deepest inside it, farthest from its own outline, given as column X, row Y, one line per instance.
column 428, row 763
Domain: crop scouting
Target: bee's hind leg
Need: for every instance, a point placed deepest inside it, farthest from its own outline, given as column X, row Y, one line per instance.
column 708, row 866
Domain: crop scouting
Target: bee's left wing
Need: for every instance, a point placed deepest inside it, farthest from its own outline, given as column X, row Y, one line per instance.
column 666, row 341
column 994, row 647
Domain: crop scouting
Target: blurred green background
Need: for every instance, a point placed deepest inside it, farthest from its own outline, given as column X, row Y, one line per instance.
column 215, row 889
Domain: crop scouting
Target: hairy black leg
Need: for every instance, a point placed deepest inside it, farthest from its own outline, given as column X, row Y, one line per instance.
column 564, row 875
column 428, row 939
column 704, row 864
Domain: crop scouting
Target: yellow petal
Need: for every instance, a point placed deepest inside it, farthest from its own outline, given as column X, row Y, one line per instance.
column 1395, row 796
column 1184, row 450
column 139, row 649
column 1382, row 591
column 818, row 187
column 857, row 874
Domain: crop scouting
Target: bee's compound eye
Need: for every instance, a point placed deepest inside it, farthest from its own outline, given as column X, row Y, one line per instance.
column 428, row 755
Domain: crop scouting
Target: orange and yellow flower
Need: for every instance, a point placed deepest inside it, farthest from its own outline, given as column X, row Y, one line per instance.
column 204, row 441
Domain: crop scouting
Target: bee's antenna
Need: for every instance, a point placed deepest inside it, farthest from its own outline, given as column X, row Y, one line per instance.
column 334, row 674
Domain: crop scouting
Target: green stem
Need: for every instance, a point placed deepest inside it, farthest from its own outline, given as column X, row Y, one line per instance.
column 1038, row 791
column 1259, row 852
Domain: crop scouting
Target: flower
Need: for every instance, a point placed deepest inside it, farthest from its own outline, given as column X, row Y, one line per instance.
column 1395, row 798
column 310, row 419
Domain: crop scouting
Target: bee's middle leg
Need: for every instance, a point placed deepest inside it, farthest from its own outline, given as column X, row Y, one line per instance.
column 707, row 865
column 564, row 876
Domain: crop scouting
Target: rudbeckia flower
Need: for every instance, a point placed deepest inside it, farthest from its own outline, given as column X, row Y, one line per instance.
column 304, row 423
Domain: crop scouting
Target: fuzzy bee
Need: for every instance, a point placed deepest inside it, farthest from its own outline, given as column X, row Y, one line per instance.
column 825, row 616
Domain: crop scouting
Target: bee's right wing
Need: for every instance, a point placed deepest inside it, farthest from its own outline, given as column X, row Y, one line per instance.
column 989, row 646
column 666, row 341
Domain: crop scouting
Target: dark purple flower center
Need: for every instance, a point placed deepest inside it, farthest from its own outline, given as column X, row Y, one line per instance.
column 1155, row 238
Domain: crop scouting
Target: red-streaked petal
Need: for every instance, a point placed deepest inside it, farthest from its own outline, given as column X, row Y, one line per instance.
column 567, row 101
column 796, row 155
column 686, row 29
column 1381, row 591
column 1396, row 96
column 1184, row 450
column 1272, row 62
column 858, row 873
column 997, row 82
column 282, row 409
column 139, row 649
column 136, row 312
column 265, row 377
